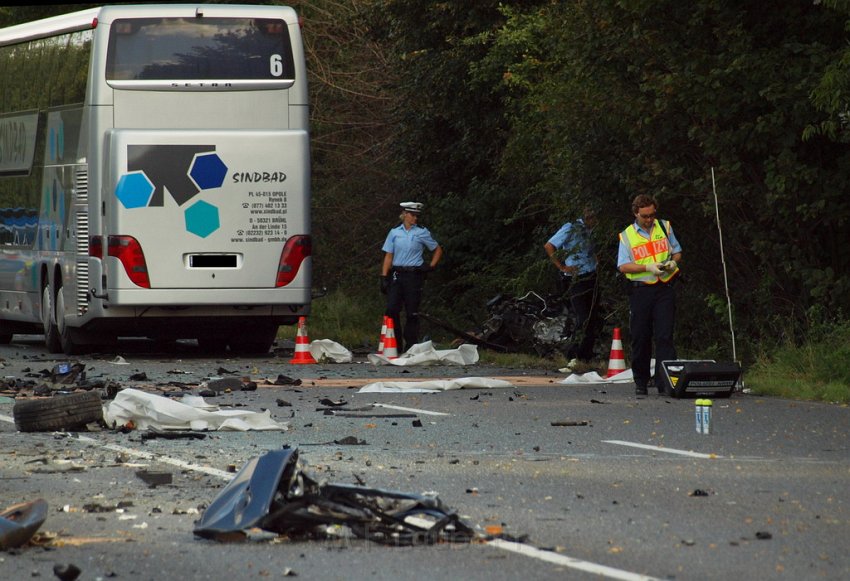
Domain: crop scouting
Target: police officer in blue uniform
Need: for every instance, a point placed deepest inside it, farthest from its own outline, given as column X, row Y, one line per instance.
column 403, row 271
column 578, row 280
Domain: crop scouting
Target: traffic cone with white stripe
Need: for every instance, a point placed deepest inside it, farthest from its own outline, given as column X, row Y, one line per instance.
column 390, row 344
column 383, row 336
column 617, row 361
column 302, row 344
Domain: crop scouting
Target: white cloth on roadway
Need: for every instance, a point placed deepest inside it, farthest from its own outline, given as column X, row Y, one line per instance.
column 434, row 385
column 330, row 351
column 147, row 410
column 425, row 354
column 593, row 377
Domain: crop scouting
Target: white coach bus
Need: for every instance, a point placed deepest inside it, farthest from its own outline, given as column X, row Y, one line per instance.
column 154, row 176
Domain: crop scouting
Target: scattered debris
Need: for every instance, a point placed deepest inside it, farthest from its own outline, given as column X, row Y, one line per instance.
column 272, row 493
column 351, row 441
column 154, row 478
column 225, row 384
column 67, row 373
column 68, row 572
column 19, row 522
column 153, row 433
column 763, row 535
column 562, row 423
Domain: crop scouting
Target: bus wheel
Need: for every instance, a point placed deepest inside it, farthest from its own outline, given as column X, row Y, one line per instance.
column 60, row 412
column 48, row 320
column 69, row 341
column 255, row 342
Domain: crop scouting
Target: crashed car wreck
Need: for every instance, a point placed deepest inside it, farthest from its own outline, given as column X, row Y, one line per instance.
column 271, row 492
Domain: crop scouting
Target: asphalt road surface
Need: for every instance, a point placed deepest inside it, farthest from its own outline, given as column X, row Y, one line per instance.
column 559, row 481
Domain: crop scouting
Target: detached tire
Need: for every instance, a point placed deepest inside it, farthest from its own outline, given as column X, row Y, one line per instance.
column 60, row 412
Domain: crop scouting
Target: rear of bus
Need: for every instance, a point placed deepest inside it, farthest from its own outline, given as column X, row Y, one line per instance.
column 199, row 220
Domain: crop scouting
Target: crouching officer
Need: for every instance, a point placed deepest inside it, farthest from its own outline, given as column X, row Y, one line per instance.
column 403, row 271
column 649, row 255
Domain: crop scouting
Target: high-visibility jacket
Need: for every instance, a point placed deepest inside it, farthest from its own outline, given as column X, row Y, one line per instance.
column 656, row 249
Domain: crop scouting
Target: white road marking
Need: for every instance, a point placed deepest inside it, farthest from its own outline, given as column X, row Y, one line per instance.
column 662, row 449
column 571, row 562
column 414, row 410
column 164, row 459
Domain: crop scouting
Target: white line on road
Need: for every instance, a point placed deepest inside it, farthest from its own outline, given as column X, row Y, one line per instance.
column 566, row 561
column 163, row 459
column 403, row 409
column 662, row 449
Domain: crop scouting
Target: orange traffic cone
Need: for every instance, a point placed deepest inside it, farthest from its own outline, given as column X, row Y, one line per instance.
column 383, row 336
column 616, row 362
column 302, row 344
column 390, row 345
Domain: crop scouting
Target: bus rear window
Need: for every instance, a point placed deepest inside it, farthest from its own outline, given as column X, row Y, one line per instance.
column 199, row 49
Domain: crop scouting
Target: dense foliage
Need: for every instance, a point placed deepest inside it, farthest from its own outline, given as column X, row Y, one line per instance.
column 518, row 113
column 507, row 117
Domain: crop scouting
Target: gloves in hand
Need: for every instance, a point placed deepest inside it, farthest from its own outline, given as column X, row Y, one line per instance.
column 385, row 284
column 655, row 268
column 669, row 266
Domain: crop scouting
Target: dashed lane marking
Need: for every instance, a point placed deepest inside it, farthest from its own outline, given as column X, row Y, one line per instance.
column 662, row 449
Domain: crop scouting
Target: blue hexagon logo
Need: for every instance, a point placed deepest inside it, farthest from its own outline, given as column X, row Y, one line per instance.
column 208, row 171
column 134, row 190
column 202, row 219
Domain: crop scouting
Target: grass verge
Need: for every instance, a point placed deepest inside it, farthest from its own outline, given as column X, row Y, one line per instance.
column 815, row 371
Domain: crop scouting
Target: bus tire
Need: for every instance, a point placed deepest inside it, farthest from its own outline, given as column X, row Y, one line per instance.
column 48, row 320
column 70, row 342
column 255, row 342
column 60, row 412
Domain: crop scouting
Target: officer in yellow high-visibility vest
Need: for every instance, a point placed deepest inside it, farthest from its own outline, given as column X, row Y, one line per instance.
column 649, row 256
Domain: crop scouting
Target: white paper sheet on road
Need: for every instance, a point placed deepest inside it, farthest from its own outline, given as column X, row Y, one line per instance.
column 147, row 410
column 593, row 377
column 425, row 354
column 330, row 351
column 434, row 385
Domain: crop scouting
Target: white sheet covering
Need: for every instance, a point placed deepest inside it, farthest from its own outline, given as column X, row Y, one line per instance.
column 434, row 385
column 425, row 354
column 593, row 377
column 147, row 410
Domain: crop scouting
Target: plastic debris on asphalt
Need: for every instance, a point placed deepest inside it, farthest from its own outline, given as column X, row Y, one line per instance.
column 425, row 354
column 145, row 410
column 327, row 351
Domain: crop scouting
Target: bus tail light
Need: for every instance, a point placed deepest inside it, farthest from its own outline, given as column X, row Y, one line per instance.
column 96, row 246
column 128, row 250
column 294, row 252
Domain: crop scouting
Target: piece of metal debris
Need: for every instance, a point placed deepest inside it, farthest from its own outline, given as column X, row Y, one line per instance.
column 19, row 522
column 273, row 493
column 153, row 478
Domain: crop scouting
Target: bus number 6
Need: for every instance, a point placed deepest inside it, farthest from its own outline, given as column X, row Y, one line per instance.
column 276, row 65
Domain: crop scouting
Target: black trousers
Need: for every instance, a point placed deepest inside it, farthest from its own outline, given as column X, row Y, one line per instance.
column 652, row 318
column 405, row 292
column 583, row 297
